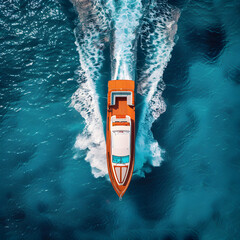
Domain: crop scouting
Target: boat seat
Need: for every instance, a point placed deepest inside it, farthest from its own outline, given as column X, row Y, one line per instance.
column 116, row 94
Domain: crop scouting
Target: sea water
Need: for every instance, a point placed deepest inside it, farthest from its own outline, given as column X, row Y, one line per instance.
column 56, row 58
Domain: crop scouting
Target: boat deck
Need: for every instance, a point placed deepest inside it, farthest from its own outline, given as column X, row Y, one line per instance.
column 120, row 109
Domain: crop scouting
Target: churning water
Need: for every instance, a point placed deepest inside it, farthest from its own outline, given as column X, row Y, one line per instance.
column 120, row 25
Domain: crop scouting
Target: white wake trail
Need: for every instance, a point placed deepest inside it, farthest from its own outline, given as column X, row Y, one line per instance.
column 123, row 20
column 126, row 22
column 90, row 40
column 158, row 31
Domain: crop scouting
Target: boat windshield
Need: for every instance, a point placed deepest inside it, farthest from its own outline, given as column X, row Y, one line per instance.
column 122, row 159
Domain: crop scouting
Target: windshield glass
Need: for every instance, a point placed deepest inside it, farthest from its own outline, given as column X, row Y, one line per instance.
column 118, row 159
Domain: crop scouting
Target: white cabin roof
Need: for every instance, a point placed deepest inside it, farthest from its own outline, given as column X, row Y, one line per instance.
column 121, row 140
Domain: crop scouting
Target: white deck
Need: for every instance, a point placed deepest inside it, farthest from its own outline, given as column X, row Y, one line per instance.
column 121, row 146
column 121, row 140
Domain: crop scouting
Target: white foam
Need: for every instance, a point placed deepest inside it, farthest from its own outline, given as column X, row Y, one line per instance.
column 89, row 41
column 92, row 139
column 126, row 22
column 157, row 45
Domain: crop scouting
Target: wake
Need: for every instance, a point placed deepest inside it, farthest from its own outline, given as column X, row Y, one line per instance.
column 90, row 40
column 157, row 41
column 126, row 23
column 123, row 23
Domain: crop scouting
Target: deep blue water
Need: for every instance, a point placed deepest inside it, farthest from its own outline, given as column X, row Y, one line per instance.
column 55, row 60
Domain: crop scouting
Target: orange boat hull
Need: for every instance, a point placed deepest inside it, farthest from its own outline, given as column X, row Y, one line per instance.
column 120, row 107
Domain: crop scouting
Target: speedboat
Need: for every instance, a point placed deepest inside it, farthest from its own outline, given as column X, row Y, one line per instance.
column 120, row 133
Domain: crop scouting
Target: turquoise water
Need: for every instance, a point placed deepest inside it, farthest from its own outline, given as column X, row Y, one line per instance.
column 56, row 58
